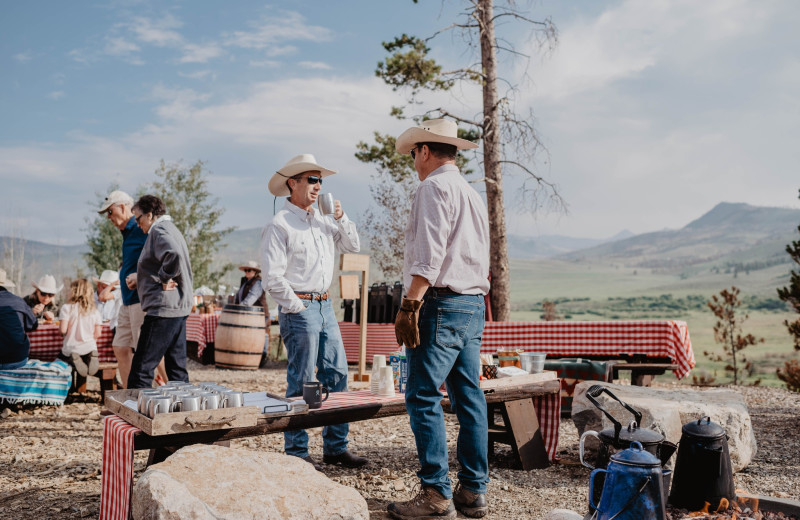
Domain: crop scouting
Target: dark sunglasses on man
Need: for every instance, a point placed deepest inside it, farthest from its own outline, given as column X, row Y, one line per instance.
column 312, row 179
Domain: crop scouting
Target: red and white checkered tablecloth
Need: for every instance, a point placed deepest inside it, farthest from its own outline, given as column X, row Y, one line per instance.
column 46, row 342
column 202, row 329
column 664, row 338
column 117, row 477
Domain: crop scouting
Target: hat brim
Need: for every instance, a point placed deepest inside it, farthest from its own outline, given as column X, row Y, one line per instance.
column 55, row 290
column 246, row 267
column 277, row 183
column 8, row 283
column 407, row 140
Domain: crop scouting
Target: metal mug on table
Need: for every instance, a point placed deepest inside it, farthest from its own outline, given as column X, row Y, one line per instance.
column 232, row 399
column 210, row 401
column 157, row 405
column 189, row 403
column 143, row 399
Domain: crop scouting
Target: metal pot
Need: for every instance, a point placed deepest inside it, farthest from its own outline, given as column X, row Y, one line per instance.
column 619, row 438
column 703, row 471
column 633, row 488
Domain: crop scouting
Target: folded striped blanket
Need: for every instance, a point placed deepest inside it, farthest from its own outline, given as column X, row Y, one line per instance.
column 38, row 382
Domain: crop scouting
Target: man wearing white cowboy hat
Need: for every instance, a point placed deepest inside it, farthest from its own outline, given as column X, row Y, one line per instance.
column 42, row 299
column 440, row 321
column 297, row 250
column 108, row 298
column 117, row 207
column 16, row 318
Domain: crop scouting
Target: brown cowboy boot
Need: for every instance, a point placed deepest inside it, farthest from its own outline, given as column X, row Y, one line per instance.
column 470, row 504
column 428, row 504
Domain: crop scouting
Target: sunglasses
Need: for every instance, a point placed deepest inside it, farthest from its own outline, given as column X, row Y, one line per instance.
column 137, row 218
column 109, row 211
column 249, row 270
column 312, row 179
column 46, row 294
column 413, row 153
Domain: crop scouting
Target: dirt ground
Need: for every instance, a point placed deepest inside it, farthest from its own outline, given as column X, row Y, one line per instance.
column 50, row 460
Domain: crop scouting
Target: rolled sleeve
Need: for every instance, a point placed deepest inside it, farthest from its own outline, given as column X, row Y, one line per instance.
column 431, row 234
column 274, row 263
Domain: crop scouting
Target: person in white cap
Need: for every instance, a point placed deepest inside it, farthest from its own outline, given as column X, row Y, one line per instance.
column 251, row 293
column 16, row 318
column 42, row 299
column 108, row 298
column 297, row 250
column 440, row 321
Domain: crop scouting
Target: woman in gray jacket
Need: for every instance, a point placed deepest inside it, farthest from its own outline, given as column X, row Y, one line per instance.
column 164, row 279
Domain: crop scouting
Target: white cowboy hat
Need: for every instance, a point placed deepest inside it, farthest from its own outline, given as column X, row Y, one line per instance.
column 250, row 264
column 432, row 131
column 108, row 277
column 116, row 197
column 301, row 163
column 4, row 281
column 47, row 284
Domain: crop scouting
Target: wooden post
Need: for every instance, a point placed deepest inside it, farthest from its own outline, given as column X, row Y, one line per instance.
column 353, row 262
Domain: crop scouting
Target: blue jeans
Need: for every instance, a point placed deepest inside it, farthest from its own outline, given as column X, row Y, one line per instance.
column 312, row 339
column 450, row 329
column 14, row 365
column 159, row 337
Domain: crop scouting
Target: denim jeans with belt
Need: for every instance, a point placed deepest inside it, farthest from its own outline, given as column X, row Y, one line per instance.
column 450, row 328
column 312, row 339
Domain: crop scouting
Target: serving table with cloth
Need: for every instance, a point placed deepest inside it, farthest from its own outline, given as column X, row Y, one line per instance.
column 201, row 331
column 636, row 341
column 120, row 438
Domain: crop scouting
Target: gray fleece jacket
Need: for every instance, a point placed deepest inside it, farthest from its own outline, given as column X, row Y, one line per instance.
column 164, row 257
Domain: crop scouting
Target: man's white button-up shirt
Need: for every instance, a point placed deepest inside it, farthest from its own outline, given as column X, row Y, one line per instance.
column 297, row 253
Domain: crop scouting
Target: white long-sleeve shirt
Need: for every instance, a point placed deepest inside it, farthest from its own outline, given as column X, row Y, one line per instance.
column 297, row 253
column 447, row 235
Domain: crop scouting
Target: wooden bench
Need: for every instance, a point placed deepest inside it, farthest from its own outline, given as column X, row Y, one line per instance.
column 515, row 402
column 642, row 373
column 107, row 374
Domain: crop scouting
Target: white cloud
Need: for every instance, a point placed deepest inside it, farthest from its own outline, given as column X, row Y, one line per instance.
column 200, row 53
column 270, row 31
column 200, row 74
column 24, row 57
column 314, row 65
column 157, row 32
column 120, row 47
column 56, row 95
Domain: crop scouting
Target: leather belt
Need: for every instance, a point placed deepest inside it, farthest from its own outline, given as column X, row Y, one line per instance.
column 312, row 296
column 444, row 290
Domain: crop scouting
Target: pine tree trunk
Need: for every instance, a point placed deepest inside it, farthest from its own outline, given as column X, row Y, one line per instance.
column 498, row 250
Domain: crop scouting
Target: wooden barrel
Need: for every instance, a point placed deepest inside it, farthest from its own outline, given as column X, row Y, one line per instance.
column 240, row 337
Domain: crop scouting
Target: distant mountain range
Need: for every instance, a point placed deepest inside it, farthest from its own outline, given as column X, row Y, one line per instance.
column 731, row 233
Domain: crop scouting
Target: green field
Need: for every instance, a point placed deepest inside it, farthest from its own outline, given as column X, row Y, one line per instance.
column 591, row 292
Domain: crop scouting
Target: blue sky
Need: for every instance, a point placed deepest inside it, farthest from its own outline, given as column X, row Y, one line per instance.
column 652, row 112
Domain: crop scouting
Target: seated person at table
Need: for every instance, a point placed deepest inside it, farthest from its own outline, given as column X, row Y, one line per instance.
column 42, row 299
column 252, row 293
column 80, row 326
column 16, row 318
column 108, row 298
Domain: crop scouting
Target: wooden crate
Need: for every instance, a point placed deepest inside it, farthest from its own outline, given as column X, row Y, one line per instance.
column 180, row 422
column 521, row 380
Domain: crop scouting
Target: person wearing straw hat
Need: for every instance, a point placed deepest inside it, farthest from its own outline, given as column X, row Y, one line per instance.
column 440, row 321
column 117, row 207
column 297, row 250
column 251, row 293
column 42, row 299
column 108, row 298
column 16, row 318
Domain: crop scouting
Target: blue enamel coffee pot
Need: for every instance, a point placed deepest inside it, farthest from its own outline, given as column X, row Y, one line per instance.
column 634, row 486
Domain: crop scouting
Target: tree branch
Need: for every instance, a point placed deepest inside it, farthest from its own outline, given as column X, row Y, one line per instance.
column 457, row 118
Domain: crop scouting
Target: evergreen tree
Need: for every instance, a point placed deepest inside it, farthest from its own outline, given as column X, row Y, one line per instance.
column 728, row 332
column 102, row 237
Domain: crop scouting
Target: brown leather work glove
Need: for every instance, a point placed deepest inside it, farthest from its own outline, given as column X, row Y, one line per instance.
column 406, row 326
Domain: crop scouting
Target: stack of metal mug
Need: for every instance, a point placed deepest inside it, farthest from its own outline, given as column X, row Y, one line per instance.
column 179, row 396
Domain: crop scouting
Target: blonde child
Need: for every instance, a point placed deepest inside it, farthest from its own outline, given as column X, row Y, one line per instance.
column 81, row 326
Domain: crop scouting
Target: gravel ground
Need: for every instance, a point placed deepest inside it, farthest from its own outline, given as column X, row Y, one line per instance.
column 51, row 457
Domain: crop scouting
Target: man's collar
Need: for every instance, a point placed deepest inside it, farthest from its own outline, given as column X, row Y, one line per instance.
column 443, row 169
column 131, row 223
column 297, row 210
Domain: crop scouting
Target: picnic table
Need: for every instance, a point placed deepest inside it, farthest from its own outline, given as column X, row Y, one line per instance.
column 536, row 445
column 658, row 343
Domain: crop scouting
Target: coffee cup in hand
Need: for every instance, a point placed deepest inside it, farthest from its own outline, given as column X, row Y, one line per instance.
column 326, row 204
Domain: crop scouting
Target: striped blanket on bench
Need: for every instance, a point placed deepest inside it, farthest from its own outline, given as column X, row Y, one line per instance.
column 38, row 382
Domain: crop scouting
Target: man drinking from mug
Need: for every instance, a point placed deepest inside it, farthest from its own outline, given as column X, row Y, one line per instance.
column 298, row 250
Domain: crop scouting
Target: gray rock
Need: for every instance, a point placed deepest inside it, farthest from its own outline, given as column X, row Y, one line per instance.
column 562, row 514
column 667, row 410
column 210, row 482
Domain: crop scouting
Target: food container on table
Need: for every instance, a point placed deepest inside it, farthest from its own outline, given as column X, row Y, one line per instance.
column 532, row 362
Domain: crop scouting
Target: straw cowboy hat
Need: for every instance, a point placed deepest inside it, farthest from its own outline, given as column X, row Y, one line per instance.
column 47, row 284
column 108, row 277
column 250, row 264
column 116, row 197
column 432, row 131
column 4, row 281
column 301, row 163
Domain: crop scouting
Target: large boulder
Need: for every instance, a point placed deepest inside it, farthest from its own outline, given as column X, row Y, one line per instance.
column 563, row 514
column 667, row 410
column 210, row 482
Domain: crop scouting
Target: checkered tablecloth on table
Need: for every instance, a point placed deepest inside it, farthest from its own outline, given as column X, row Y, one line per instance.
column 117, row 477
column 46, row 342
column 664, row 338
column 202, row 329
